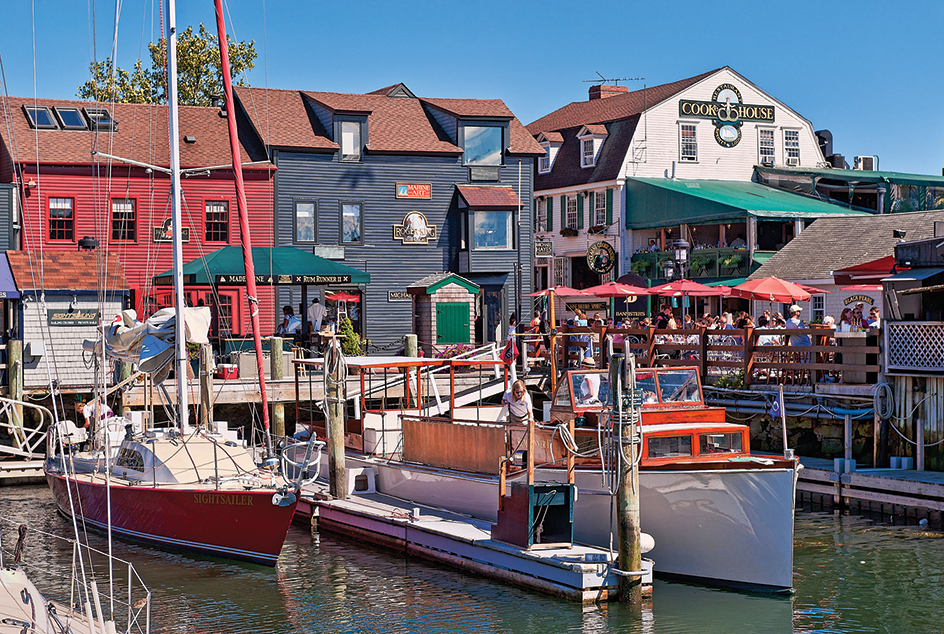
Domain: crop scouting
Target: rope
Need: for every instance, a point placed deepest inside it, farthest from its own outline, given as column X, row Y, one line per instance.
column 19, row 544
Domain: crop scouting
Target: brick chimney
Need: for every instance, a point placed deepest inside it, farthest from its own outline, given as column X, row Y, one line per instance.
column 602, row 91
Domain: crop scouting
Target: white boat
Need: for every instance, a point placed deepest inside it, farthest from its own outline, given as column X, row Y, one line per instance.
column 718, row 514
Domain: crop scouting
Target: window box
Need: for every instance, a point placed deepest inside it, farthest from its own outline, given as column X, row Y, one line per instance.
column 732, row 261
column 597, row 230
column 568, row 232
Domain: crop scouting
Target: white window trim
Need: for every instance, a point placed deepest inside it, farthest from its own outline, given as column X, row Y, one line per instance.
column 597, row 140
column 787, row 150
column 773, row 138
column 560, row 271
column 567, row 201
column 694, row 125
column 542, row 169
column 541, row 223
column 599, row 212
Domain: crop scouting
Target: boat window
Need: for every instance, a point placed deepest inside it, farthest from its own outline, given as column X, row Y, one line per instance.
column 669, row 446
column 719, row 443
column 590, row 388
column 646, row 381
column 679, row 386
column 563, row 394
column 130, row 459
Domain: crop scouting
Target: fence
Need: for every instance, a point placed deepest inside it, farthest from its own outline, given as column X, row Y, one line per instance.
column 761, row 355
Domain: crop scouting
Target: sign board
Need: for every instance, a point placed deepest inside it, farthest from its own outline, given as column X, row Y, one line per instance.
column 415, row 190
column 399, row 296
column 73, row 317
column 587, row 306
column 164, row 233
column 630, row 308
column 865, row 299
column 727, row 112
column 239, row 280
column 414, row 230
column 543, row 249
column 601, row 256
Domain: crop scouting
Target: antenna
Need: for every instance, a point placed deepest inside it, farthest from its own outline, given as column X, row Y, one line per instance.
column 616, row 81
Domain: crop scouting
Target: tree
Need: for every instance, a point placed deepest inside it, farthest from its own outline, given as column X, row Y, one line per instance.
column 199, row 72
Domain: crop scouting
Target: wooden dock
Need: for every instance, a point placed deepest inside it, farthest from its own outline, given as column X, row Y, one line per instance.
column 14, row 472
column 896, row 492
column 581, row 573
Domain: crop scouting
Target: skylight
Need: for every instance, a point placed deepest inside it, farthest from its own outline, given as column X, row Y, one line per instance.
column 40, row 117
column 100, row 118
column 70, row 118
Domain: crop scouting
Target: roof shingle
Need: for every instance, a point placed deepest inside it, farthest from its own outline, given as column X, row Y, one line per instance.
column 65, row 270
column 489, row 197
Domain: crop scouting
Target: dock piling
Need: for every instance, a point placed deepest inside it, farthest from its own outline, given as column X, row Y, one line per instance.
column 275, row 370
column 337, row 474
column 630, row 552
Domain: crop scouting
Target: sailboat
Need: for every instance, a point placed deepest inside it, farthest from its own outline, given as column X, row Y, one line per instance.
column 187, row 488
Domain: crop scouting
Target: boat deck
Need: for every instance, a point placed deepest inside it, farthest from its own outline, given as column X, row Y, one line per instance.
column 579, row 573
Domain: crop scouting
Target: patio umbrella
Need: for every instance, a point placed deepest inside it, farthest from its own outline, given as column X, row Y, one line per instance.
column 615, row 289
column 688, row 288
column 863, row 288
column 771, row 289
column 812, row 290
column 343, row 297
column 560, row 291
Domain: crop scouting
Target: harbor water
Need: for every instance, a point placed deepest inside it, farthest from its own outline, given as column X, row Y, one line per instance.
column 851, row 574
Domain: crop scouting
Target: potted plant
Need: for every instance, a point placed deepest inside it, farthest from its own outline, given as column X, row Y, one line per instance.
column 700, row 262
column 597, row 230
column 732, row 261
column 568, row 232
column 639, row 267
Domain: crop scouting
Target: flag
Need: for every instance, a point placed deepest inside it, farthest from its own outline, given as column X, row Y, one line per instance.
column 777, row 410
column 510, row 352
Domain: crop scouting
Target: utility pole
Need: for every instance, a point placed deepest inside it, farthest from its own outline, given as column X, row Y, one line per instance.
column 627, row 495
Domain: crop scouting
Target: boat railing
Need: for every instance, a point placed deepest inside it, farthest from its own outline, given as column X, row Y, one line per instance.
column 309, row 468
column 122, row 604
column 27, row 440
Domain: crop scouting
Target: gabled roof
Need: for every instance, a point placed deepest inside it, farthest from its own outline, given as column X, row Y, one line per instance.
column 620, row 106
column 141, row 135
column 489, row 197
column 593, row 128
column 65, row 270
column 831, row 244
column 398, row 123
column 432, row 283
column 550, row 137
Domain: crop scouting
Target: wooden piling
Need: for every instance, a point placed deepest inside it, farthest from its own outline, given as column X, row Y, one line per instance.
column 206, row 386
column 337, row 474
column 275, row 371
column 15, row 364
column 627, row 497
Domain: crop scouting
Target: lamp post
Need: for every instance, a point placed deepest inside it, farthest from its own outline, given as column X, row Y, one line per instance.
column 681, row 248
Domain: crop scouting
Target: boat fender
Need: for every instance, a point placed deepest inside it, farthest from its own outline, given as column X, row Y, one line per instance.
column 646, row 542
column 283, row 498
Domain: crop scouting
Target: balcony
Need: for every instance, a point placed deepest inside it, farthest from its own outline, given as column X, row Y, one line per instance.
column 704, row 263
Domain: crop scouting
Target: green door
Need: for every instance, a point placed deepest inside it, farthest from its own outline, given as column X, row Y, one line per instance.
column 452, row 322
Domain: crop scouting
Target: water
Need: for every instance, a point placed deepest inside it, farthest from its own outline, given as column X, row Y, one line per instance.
column 851, row 575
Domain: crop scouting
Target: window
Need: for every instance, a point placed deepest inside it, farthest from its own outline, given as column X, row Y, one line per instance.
column 572, row 212
column 719, row 443
column 483, row 145
column 765, row 150
column 40, row 117
column 217, row 221
column 599, row 208
column 541, row 221
column 544, row 163
column 559, row 273
column 100, row 118
column 351, row 219
column 304, row 221
column 588, row 153
column 818, row 308
column 123, row 226
column 678, row 386
column 492, row 229
column 61, row 219
column 688, row 143
column 224, row 315
column 791, row 146
column 70, row 118
column 669, row 446
column 350, row 141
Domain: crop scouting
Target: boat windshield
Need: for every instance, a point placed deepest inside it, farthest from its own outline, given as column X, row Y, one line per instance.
column 679, row 386
column 646, row 381
column 591, row 389
column 563, row 394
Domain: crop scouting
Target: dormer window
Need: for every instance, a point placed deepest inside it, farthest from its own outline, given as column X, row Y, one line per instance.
column 483, row 145
column 551, row 142
column 40, row 118
column 100, row 119
column 544, row 165
column 350, row 141
column 591, row 138
column 70, row 118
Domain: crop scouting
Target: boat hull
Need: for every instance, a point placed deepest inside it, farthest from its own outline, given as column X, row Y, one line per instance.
column 730, row 527
column 236, row 524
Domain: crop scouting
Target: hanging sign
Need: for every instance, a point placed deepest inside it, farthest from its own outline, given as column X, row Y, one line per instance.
column 73, row 317
column 414, row 230
column 165, row 233
column 727, row 113
column 601, row 256
column 543, row 249
column 399, row 296
column 865, row 299
column 414, row 190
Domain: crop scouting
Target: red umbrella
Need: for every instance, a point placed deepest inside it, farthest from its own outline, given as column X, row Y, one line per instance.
column 560, row 291
column 812, row 290
column 863, row 288
column 771, row 289
column 615, row 289
column 683, row 288
column 343, row 297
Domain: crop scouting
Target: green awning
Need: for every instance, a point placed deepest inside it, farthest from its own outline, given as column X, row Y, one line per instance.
column 761, row 257
column 734, row 281
column 662, row 202
column 273, row 265
column 856, row 176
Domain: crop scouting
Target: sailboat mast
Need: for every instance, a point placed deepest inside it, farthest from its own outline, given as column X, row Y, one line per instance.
column 243, row 209
column 174, row 131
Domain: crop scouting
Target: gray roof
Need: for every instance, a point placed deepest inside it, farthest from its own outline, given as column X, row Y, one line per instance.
column 830, row 244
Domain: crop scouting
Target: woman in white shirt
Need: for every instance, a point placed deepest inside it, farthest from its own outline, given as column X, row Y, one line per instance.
column 516, row 404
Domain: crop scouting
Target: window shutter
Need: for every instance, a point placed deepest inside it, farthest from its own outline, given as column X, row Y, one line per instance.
column 609, row 206
column 563, row 200
column 534, row 215
column 550, row 213
column 579, row 211
column 592, row 210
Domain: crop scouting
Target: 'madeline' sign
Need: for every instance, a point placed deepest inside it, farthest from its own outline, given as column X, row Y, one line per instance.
column 727, row 113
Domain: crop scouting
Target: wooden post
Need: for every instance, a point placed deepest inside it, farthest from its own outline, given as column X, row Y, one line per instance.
column 703, row 352
column 847, row 437
column 748, row 345
column 206, row 386
column 530, row 451
column 627, row 498
column 276, row 373
column 15, row 364
column 552, row 353
column 124, row 373
column 337, row 474
column 410, row 346
column 919, row 449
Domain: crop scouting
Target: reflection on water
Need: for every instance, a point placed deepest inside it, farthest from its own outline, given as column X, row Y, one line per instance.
column 850, row 576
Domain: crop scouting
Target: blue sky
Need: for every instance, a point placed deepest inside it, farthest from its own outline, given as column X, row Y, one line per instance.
column 868, row 71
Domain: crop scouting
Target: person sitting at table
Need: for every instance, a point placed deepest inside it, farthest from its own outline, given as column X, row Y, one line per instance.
column 290, row 323
column 875, row 320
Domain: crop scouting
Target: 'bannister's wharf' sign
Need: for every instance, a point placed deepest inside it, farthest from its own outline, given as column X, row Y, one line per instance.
column 73, row 317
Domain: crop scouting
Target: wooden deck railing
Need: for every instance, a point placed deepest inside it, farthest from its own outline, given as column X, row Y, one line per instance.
column 720, row 353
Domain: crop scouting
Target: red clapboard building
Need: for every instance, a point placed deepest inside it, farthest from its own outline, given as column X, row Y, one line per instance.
column 57, row 152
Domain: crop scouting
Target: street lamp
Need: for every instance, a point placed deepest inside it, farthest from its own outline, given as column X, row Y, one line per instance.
column 681, row 257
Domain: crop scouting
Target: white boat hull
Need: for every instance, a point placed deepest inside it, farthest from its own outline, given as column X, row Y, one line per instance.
column 731, row 527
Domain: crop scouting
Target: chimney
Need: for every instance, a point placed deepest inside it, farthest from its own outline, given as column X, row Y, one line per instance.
column 602, row 91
